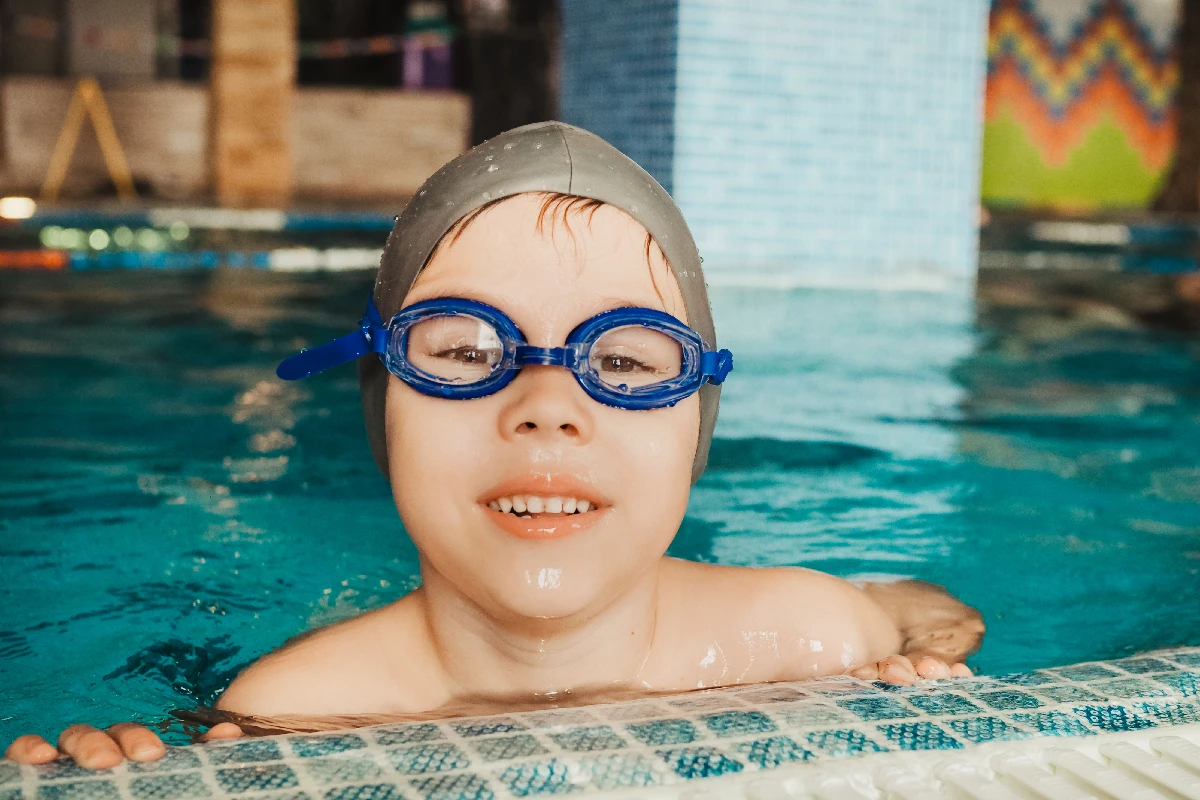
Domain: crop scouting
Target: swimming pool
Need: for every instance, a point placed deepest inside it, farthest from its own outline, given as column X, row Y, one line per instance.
column 169, row 511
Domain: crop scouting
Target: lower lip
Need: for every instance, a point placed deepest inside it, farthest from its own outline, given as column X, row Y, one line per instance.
column 543, row 528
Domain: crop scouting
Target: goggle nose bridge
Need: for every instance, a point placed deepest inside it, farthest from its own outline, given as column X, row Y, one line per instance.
column 568, row 356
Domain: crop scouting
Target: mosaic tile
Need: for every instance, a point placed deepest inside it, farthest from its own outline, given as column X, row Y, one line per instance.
column 236, row 780
column 873, row 708
column 986, row 729
column 167, row 787
column 284, row 795
column 1068, row 694
column 309, row 746
column 580, row 740
column 635, row 711
column 773, row 694
column 1188, row 659
column 486, row 727
column 66, row 768
column 11, row 794
column 538, row 778
column 842, row 743
column 1027, row 679
column 1010, row 701
column 1129, row 688
column 408, row 734
column 176, row 758
column 738, row 723
column 811, row 715
column 244, row 752
column 715, row 700
column 369, row 791
column 427, row 758
column 622, row 770
column 664, row 731
column 454, row 787
column 78, row 790
column 1087, row 672
column 560, row 716
column 1142, row 666
column 943, row 704
column 1171, row 713
column 9, row 773
column 344, row 769
column 699, row 762
column 1114, row 719
column 843, row 689
column 503, row 748
column 918, row 736
column 771, row 752
column 1186, row 683
column 1054, row 723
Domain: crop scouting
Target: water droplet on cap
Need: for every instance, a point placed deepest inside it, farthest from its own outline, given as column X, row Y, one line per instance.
column 508, row 146
column 488, row 158
column 487, row 195
column 493, row 168
column 537, row 145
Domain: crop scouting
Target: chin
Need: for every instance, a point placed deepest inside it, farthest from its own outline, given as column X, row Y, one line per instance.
column 547, row 593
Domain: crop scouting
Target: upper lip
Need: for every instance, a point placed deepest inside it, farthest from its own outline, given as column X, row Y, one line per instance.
column 546, row 486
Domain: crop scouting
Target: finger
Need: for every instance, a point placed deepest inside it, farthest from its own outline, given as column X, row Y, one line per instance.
column 867, row 672
column 137, row 742
column 960, row 671
column 89, row 747
column 932, row 669
column 898, row 671
column 30, row 749
column 222, row 730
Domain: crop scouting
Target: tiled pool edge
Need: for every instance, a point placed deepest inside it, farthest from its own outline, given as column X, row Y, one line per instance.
column 716, row 737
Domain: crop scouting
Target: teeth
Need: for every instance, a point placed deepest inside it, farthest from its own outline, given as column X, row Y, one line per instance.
column 527, row 504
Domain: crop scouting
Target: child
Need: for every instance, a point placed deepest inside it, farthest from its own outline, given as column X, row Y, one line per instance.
column 544, row 397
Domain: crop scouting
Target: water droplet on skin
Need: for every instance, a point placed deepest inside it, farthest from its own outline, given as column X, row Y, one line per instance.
column 493, row 168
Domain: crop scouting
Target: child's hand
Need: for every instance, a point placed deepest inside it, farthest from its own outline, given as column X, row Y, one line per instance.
column 97, row 749
column 901, row 671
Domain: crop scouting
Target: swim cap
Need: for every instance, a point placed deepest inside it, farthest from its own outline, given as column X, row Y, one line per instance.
column 543, row 157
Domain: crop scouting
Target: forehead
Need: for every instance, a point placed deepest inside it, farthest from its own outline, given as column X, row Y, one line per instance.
column 565, row 270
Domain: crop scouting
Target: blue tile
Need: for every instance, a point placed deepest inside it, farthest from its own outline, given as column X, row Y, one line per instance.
column 357, row 768
column 487, row 727
column 1087, row 672
column 1068, row 694
column 846, row 742
column 738, row 723
column 9, row 773
column 236, row 780
column 1143, row 666
column 168, row 787
column 1186, row 683
column 809, row 715
column 773, row 751
column 699, row 762
column 664, row 731
column 454, row 787
column 1010, row 701
column 367, row 791
column 11, row 794
column 579, row 740
column 323, row 745
column 502, row 748
column 66, row 768
column 422, row 758
column 1170, row 713
column 176, row 758
column 1027, row 679
column 943, row 704
column 78, row 790
column 986, row 729
column 408, row 734
column 1114, row 719
column 918, row 736
column 537, row 778
column 1054, row 723
column 1189, row 659
column 620, row 770
column 1129, row 688
column 873, row 708
column 243, row 752
column 773, row 694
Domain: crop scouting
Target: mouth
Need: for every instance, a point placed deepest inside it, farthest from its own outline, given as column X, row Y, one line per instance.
column 561, row 507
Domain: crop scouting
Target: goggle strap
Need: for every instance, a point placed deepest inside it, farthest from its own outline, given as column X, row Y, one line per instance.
column 716, row 365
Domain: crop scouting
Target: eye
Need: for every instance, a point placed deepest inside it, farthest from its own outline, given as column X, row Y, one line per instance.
column 470, row 355
column 622, row 364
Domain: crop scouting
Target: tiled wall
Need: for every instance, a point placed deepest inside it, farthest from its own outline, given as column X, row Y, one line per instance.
column 814, row 142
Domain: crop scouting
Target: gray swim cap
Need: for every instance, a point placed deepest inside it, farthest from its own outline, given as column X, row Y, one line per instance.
column 544, row 157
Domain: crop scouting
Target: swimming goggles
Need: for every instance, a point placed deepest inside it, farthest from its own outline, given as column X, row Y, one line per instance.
column 635, row 358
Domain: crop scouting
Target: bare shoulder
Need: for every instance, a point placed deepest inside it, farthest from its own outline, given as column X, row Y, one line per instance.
column 364, row 665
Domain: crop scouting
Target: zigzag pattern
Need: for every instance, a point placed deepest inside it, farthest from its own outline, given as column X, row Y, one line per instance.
column 1058, row 93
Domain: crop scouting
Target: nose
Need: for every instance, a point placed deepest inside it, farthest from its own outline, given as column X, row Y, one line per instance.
column 547, row 402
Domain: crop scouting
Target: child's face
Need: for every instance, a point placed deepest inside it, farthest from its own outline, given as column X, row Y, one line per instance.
column 542, row 435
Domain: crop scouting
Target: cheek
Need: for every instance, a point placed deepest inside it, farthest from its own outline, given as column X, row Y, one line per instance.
column 659, row 447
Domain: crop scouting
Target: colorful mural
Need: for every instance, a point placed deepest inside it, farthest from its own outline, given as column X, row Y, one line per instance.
column 1079, row 113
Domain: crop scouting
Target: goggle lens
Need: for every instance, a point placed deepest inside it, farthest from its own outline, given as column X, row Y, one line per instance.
column 454, row 348
column 633, row 356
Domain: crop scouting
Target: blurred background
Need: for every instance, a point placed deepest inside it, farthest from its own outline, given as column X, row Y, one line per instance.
column 952, row 243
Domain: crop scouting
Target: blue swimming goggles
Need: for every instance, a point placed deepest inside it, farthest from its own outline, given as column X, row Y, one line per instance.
column 635, row 358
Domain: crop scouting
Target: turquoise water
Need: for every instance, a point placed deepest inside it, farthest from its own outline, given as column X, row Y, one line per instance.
column 169, row 511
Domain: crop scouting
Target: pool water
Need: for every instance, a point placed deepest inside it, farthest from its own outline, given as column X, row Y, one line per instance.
column 169, row 511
